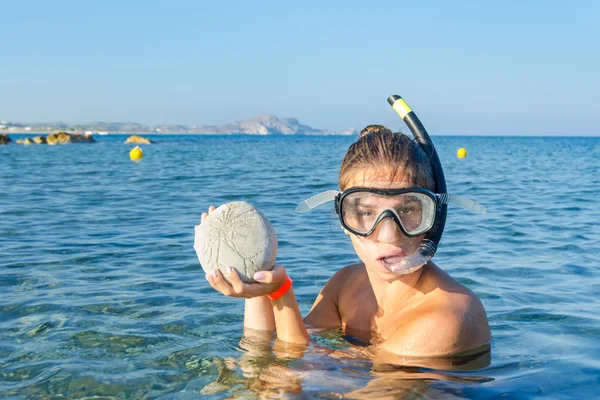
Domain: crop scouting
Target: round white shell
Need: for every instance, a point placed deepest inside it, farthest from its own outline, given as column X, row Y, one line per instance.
column 236, row 235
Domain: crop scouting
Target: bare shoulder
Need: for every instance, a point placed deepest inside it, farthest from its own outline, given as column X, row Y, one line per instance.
column 344, row 280
column 450, row 320
column 350, row 272
column 325, row 310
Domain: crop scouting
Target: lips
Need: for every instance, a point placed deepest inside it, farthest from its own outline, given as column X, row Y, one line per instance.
column 392, row 255
column 389, row 260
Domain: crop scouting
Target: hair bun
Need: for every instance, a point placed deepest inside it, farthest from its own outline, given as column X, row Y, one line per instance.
column 374, row 129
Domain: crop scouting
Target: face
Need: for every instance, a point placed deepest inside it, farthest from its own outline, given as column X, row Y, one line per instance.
column 387, row 245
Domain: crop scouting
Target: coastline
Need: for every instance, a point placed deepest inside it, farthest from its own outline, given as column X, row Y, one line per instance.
column 3, row 132
column 512, row 135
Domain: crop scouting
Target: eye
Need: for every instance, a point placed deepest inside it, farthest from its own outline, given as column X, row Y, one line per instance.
column 406, row 210
column 364, row 213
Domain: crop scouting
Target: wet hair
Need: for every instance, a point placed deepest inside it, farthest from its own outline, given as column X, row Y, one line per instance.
column 392, row 153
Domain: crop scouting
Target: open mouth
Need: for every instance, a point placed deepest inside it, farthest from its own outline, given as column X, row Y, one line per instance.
column 392, row 261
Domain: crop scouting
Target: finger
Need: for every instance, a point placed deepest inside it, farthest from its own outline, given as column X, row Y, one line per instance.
column 276, row 275
column 258, row 289
column 211, row 281
column 236, row 282
column 244, row 289
column 220, row 284
column 263, row 277
column 205, row 214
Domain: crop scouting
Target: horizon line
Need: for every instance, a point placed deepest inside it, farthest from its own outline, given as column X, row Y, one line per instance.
column 452, row 134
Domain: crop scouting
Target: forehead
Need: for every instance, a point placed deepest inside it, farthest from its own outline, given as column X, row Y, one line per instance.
column 380, row 178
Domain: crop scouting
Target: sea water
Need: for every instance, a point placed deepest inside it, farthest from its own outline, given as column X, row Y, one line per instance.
column 102, row 294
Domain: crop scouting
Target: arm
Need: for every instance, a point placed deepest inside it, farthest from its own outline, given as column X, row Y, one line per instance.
column 290, row 327
column 285, row 310
column 325, row 312
column 258, row 314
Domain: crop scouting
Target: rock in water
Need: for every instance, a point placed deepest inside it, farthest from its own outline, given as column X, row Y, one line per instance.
column 25, row 141
column 237, row 235
column 135, row 139
column 64, row 138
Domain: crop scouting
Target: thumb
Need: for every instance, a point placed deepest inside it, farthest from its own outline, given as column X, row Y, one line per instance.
column 277, row 274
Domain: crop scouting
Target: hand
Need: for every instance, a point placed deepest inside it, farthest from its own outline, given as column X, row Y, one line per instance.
column 204, row 215
column 267, row 282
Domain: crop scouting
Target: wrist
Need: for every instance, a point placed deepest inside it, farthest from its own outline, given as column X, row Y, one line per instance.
column 283, row 289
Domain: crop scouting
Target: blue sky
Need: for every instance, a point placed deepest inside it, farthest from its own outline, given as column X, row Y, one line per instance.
column 465, row 67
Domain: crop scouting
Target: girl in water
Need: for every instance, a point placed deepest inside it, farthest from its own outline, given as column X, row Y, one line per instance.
column 396, row 299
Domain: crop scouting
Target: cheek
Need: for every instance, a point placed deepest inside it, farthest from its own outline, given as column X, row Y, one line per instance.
column 363, row 247
column 413, row 243
column 417, row 239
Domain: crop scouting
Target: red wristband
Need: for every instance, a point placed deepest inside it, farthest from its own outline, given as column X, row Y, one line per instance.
column 282, row 289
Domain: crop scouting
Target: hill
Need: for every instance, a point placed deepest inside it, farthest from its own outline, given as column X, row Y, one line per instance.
column 264, row 124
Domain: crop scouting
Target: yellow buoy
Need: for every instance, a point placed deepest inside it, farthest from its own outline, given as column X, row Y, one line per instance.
column 461, row 153
column 136, row 154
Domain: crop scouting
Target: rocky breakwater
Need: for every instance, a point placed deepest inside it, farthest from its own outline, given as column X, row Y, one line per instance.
column 66, row 138
column 35, row 140
column 52, row 139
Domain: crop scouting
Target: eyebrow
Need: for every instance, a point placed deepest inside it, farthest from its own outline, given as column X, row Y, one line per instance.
column 363, row 202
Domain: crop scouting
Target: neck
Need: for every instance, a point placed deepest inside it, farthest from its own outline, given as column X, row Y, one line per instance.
column 399, row 290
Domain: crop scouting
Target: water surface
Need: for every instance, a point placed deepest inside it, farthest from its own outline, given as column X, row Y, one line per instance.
column 102, row 294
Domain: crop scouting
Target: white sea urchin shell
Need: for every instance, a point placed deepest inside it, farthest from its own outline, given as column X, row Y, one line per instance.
column 238, row 235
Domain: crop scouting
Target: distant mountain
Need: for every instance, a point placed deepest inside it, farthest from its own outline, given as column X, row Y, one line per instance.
column 264, row 124
column 125, row 127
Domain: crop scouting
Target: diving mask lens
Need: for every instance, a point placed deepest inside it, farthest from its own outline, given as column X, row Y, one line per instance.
column 361, row 211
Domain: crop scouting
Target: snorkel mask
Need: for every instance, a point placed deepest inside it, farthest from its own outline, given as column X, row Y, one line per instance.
column 415, row 210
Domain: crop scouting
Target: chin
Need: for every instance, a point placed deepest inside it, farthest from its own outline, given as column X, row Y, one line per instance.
column 379, row 267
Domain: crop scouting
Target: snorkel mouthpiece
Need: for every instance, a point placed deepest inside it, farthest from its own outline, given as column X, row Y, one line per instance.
column 416, row 260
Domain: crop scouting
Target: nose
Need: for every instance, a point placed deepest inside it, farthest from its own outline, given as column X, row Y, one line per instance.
column 388, row 231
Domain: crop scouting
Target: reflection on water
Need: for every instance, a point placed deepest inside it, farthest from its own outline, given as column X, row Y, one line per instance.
column 271, row 368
